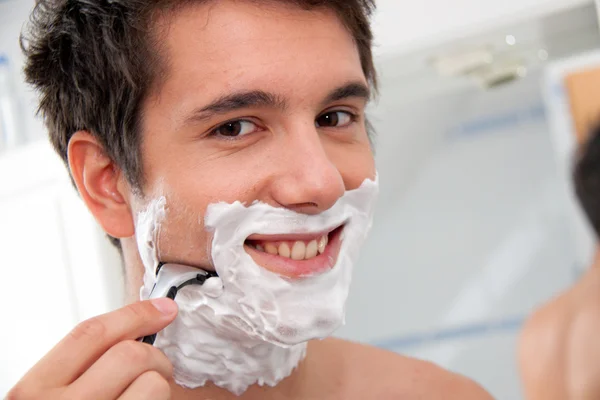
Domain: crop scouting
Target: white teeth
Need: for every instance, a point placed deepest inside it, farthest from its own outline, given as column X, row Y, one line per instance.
column 311, row 250
column 271, row 249
column 323, row 241
column 298, row 251
column 284, row 250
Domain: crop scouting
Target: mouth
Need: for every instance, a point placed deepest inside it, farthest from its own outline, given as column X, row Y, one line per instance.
column 296, row 256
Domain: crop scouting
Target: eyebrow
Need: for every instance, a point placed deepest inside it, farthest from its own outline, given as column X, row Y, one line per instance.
column 261, row 99
column 349, row 90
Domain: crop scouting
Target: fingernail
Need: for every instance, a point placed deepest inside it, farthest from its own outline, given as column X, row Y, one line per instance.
column 165, row 306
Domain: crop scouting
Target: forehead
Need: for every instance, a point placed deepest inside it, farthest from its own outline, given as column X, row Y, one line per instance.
column 247, row 45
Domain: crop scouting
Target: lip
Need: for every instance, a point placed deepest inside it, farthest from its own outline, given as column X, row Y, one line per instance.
column 298, row 269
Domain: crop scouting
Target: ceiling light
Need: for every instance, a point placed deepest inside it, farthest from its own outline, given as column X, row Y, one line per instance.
column 463, row 63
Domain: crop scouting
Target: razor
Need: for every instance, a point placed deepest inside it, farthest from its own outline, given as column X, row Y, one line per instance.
column 170, row 278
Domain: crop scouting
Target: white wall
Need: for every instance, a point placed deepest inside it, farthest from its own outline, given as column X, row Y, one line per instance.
column 477, row 239
column 13, row 16
column 402, row 26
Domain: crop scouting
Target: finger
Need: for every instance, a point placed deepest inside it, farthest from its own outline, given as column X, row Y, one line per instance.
column 72, row 356
column 118, row 368
column 149, row 386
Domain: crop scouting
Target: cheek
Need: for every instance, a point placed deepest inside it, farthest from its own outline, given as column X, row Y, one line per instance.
column 202, row 173
column 182, row 236
column 355, row 163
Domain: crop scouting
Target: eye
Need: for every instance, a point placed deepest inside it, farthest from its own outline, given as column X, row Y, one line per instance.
column 335, row 119
column 236, row 128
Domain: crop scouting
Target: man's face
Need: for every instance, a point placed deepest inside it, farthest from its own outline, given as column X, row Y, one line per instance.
column 260, row 102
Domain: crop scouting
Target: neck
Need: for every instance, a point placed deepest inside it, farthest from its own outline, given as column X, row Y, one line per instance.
column 290, row 387
column 230, row 364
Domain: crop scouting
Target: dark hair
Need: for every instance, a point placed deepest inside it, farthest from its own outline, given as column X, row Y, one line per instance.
column 93, row 63
column 587, row 178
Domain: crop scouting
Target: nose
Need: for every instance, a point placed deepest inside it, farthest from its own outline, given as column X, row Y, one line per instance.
column 308, row 182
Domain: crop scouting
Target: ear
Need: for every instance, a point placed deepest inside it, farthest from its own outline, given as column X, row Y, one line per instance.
column 101, row 185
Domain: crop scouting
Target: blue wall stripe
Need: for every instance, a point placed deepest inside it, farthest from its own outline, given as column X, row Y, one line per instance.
column 467, row 331
column 504, row 120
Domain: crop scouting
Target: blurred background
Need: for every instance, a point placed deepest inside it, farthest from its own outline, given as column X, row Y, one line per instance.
column 482, row 104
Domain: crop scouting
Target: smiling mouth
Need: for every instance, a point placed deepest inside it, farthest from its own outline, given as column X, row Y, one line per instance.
column 296, row 256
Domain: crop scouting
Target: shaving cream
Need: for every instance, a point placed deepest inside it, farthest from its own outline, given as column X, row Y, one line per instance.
column 147, row 229
column 255, row 329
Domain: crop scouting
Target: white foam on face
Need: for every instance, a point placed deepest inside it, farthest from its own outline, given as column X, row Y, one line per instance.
column 256, row 330
column 147, row 229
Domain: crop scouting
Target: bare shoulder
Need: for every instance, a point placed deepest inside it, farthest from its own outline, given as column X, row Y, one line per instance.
column 386, row 374
column 558, row 340
column 545, row 330
column 541, row 350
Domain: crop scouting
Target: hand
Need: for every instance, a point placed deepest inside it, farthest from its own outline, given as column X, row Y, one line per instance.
column 101, row 360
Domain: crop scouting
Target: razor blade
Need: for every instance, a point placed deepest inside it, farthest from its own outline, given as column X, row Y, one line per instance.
column 170, row 278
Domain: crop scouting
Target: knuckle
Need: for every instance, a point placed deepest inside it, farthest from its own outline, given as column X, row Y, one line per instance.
column 158, row 383
column 91, row 328
column 169, row 367
column 163, row 360
column 132, row 352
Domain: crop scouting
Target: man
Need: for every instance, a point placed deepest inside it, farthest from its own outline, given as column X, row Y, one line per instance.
column 559, row 350
column 206, row 102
